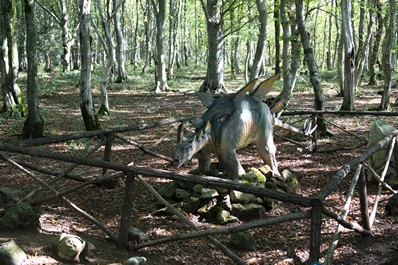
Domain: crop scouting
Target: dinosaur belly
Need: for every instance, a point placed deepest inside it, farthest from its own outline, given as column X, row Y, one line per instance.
column 247, row 126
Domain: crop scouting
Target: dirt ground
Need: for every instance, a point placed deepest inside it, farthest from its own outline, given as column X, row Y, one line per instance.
column 286, row 243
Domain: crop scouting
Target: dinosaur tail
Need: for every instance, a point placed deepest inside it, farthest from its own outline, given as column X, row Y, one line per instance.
column 307, row 130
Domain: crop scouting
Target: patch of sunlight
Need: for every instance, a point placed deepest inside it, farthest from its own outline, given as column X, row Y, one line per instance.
column 161, row 232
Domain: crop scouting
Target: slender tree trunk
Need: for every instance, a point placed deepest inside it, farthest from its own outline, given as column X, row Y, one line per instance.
column 148, row 36
column 373, row 58
column 389, row 41
column 349, row 56
column 214, row 80
column 261, row 41
column 86, row 99
column 296, row 50
column 120, row 47
column 237, row 55
column 175, row 8
column 249, row 60
column 186, row 28
column 340, row 65
column 286, row 55
column 312, row 66
column 159, row 8
column 135, row 45
column 11, row 93
column 277, row 36
column 329, row 63
column 363, row 51
column 34, row 124
column 110, row 60
column 232, row 48
column 66, row 37
column 21, row 39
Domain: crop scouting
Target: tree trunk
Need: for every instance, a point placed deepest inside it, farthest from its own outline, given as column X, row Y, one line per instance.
column 232, row 48
column 67, row 40
column 120, row 47
column 249, row 60
column 21, row 38
column 214, row 80
column 340, row 65
column 175, row 8
column 312, row 66
column 86, row 99
column 11, row 93
column 261, row 41
column 389, row 40
column 363, row 51
column 349, row 56
column 161, row 77
column 34, row 124
column 110, row 60
column 277, row 34
column 296, row 50
column 148, row 36
column 286, row 55
column 373, row 58
column 329, row 63
column 135, row 46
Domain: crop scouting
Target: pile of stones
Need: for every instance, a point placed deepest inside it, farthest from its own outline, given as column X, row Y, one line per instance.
column 220, row 205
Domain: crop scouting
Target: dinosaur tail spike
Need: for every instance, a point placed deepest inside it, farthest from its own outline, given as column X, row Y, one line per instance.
column 307, row 129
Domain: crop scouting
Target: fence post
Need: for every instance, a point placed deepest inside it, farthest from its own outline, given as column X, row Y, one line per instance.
column 363, row 199
column 316, row 226
column 108, row 150
column 126, row 212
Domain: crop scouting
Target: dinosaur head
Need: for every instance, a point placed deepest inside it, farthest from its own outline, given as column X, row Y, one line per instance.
column 186, row 149
column 183, row 153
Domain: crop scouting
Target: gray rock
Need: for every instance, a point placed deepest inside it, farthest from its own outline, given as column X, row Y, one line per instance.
column 247, row 211
column 241, row 197
column 135, row 260
column 12, row 254
column 224, row 217
column 378, row 131
column 69, row 247
column 208, row 193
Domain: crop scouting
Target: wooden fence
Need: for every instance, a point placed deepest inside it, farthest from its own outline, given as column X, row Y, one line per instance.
column 316, row 209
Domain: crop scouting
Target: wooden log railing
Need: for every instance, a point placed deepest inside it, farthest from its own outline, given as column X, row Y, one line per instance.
column 315, row 204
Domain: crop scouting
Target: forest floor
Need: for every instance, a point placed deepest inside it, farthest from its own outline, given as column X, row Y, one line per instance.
column 286, row 243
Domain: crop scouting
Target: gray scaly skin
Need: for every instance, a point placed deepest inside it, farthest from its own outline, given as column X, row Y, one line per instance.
column 230, row 123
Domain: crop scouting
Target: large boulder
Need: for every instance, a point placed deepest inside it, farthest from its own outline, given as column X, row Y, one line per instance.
column 378, row 131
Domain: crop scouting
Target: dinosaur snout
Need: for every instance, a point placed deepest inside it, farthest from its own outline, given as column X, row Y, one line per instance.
column 176, row 163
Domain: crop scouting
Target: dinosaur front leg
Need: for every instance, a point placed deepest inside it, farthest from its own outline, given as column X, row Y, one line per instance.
column 204, row 160
column 267, row 150
column 230, row 164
